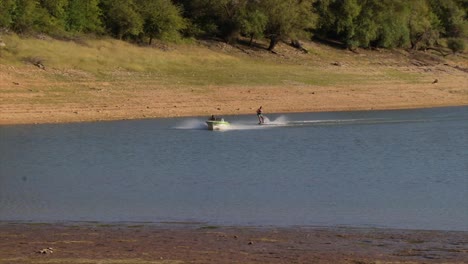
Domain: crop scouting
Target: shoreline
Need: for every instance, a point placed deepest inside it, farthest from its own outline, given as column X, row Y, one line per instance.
column 197, row 243
column 183, row 102
column 30, row 122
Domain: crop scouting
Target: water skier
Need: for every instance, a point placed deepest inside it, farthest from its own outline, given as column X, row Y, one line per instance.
column 260, row 117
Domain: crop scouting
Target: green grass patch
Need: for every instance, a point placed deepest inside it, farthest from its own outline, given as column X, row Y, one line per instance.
column 394, row 74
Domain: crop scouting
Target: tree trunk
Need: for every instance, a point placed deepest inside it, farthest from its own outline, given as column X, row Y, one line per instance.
column 273, row 41
column 150, row 41
column 232, row 35
column 251, row 40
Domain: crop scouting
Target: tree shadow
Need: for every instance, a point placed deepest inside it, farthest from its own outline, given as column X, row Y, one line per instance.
column 330, row 42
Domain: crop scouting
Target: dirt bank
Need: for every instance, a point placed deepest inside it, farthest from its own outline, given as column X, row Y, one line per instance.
column 192, row 243
column 138, row 104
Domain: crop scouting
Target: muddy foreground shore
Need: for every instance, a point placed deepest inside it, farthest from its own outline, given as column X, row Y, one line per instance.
column 195, row 243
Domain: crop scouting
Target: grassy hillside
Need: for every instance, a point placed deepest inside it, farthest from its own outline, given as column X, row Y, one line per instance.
column 45, row 72
column 214, row 63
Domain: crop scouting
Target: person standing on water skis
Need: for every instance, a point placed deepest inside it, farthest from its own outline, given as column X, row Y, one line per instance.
column 261, row 120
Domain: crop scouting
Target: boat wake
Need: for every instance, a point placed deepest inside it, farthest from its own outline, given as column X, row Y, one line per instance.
column 282, row 121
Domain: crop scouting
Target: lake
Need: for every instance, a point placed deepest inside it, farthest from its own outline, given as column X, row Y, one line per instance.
column 391, row 169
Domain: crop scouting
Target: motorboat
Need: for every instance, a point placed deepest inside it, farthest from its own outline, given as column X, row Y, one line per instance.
column 217, row 124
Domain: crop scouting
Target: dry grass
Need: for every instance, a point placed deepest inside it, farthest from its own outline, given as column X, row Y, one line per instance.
column 190, row 65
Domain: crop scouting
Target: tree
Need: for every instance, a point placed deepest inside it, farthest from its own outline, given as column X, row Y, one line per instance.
column 456, row 44
column 56, row 8
column 121, row 18
column 200, row 19
column 34, row 15
column 347, row 26
column 291, row 19
column 23, row 15
column 55, row 17
column 336, row 19
column 423, row 25
column 393, row 30
column 162, row 19
column 84, row 16
column 253, row 23
column 452, row 15
column 6, row 11
column 219, row 18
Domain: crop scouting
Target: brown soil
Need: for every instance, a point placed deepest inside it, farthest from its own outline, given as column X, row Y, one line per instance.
column 99, row 243
column 241, row 100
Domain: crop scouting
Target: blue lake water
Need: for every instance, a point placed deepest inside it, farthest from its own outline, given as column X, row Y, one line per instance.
column 396, row 169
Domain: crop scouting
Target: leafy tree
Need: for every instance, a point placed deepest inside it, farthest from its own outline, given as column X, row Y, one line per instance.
column 456, row 44
column 23, row 15
column 28, row 16
column 347, row 25
column 34, row 15
column 291, row 19
column 6, row 12
column 423, row 25
column 84, row 16
column 219, row 18
column 55, row 16
column 393, row 30
column 56, row 8
column 337, row 19
column 276, row 19
column 200, row 19
column 253, row 23
column 452, row 15
column 230, row 11
column 121, row 18
column 162, row 19
column 365, row 22
column 385, row 23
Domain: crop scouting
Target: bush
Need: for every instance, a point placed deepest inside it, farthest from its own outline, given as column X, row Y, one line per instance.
column 456, row 44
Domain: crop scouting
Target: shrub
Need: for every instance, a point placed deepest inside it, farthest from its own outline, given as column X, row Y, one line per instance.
column 456, row 44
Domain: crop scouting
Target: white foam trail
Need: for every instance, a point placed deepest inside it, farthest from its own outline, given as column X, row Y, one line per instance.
column 243, row 126
column 337, row 121
column 193, row 124
column 281, row 120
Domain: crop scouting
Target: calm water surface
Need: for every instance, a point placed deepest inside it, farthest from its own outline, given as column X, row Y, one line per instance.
column 398, row 169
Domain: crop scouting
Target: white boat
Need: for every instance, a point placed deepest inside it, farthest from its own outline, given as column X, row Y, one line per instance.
column 217, row 124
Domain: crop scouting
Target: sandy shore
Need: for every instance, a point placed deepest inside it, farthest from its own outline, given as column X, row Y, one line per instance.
column 192, row 243
column 157, row 103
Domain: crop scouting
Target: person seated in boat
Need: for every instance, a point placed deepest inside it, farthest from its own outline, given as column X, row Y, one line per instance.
column 260, row 117
column 212, row 118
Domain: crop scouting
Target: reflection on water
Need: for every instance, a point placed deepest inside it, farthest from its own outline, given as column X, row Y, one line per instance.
column 403, row 169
